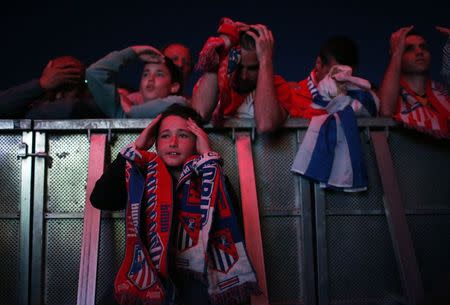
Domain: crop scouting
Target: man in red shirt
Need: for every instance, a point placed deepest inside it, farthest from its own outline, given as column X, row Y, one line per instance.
column 243, row 83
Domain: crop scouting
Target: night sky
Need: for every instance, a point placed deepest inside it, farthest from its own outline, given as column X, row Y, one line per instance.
column 34, row 33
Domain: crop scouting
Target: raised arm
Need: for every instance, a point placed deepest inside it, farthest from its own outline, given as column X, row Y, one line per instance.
column 101, row 78
column 445, row 70
column 205, row 95
column 206, row 92
column 102, row 75
column 14, row 102
column 269, row 114
column 390, row 86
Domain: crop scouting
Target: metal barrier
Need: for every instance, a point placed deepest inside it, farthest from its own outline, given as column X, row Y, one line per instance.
column 388, row 245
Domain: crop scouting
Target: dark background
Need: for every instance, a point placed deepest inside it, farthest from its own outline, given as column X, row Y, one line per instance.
column 34, row 33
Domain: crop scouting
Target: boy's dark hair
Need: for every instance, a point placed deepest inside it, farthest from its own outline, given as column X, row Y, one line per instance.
column 184, row 112
column 342, row 48
column 175, row 73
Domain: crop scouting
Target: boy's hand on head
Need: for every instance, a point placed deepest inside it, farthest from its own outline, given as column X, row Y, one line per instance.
column 148, row 54
column 148, row 136
column 443, row 30
column 202, row 137
column 55, row 75
column 398, row 39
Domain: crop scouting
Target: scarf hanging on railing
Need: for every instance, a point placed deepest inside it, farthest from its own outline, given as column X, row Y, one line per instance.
column 432, row 118
column 209, row 245
column 331, row 152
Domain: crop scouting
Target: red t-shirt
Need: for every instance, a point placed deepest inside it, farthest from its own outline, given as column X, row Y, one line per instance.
column 301, row 101
column 282, row 93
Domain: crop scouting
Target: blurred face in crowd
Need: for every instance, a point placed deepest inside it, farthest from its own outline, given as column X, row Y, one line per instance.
column 246, row 76
column 416, row 58
column 156, row 82
column 321, row 69
column 181, row 57
column 175, row 143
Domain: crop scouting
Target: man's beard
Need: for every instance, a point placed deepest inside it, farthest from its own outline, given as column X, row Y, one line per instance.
column 243, row 87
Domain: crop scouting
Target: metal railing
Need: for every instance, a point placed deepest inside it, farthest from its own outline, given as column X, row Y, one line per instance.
column 387, row 245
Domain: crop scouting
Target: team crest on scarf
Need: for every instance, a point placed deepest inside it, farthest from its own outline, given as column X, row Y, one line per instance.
column 188, row 230
column 223, row 251
column 140, row 273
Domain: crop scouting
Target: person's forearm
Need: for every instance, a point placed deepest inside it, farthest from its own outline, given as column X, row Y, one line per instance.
column 14, row 101
column 152, row 108
column 101, row 77
column 445, row 71
column 204, row 98
column 390, row 86
column 269, row 114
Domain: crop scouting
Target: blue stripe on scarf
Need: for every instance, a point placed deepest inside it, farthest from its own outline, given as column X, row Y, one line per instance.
column 323, row 155
column 366, row 99
column 317, row 99
column 135, row 185
column 350, row 127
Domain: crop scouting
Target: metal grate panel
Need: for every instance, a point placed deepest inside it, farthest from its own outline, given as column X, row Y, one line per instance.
column 223, row 143
column 283, row 256
column 422, row 165
column 431, row 238
column 273, row 157
column 9, row 261
column 68, row 174
column 120, row 140
column 368, row 200
column 62, row 260
column 110, row 256
column 361, row 259
column 10, row 174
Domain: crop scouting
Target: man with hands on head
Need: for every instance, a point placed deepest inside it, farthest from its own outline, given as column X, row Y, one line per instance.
column 160, row 85
column 238, row 79
column 407, row 93
column 59, row 93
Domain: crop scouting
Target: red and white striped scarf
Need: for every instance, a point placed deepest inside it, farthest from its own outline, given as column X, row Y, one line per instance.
column 432, row 118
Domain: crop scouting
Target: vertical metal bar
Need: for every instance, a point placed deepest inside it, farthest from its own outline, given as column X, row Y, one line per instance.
column 38, row 220
column 91, row 228
column 25, row 222
column 306, row 251
column 250, row 213
column 398, row 226
column 308, row 263
column 321, row 246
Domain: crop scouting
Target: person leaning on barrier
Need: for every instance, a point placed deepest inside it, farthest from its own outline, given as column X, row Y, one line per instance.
column 407, row 93
column 59, row 93
column 160, row 85
column 238, row 79
column 336, row 51
column 188, row 232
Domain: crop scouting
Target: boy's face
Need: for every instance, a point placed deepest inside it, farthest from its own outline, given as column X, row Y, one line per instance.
column 175, row 143
column 156, row 82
